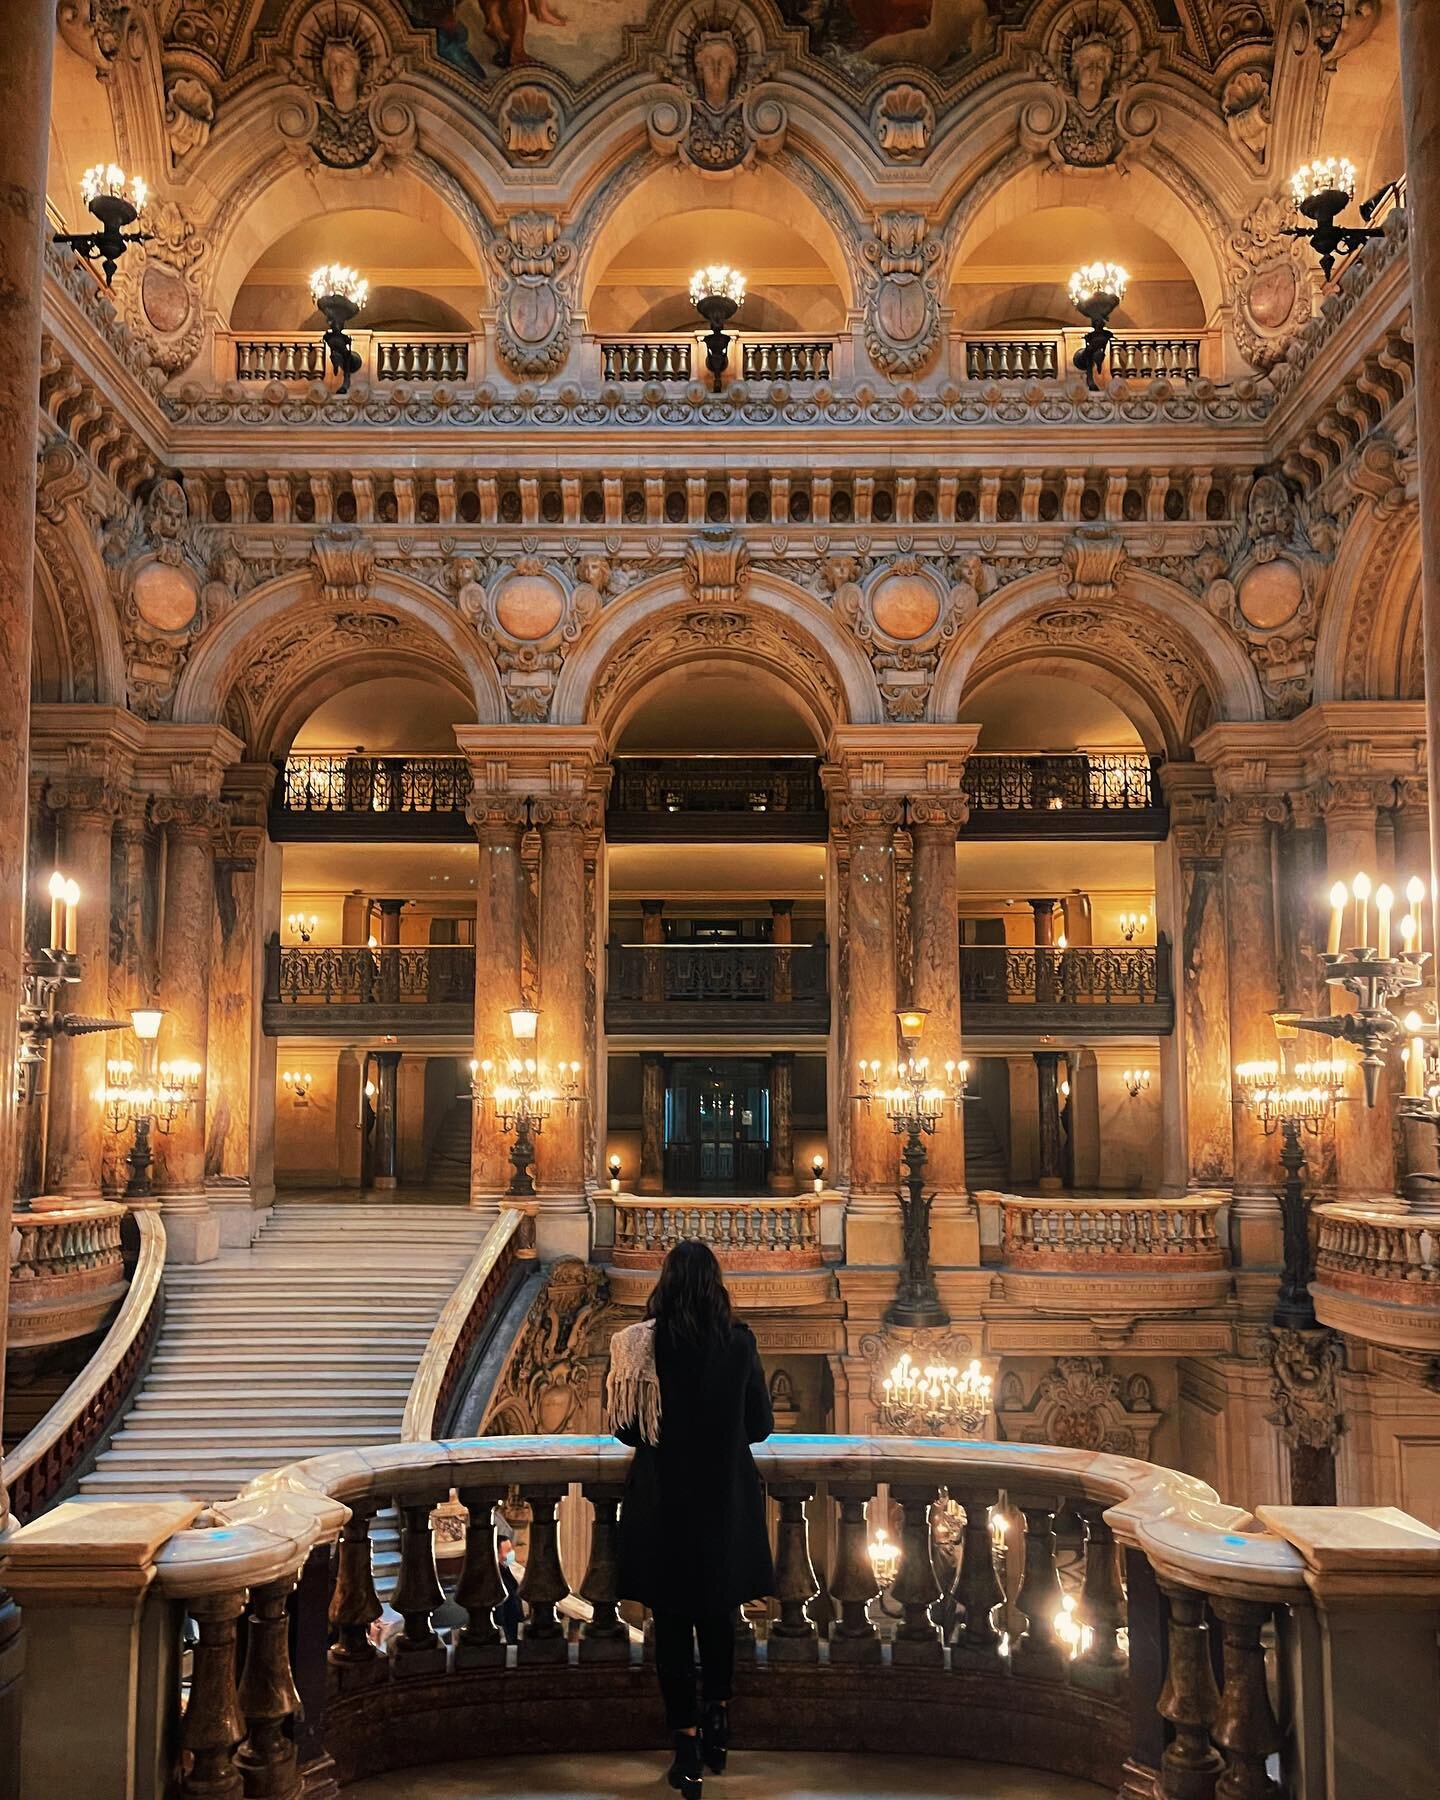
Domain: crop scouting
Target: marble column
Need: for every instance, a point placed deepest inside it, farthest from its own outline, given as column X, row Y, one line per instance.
column 1195, row 1079
column 869, row 992
column 240, row 1078
column 26, row 47
column 85, row 807
column 1047, row 1070
column 1419, row 22
column 782, row 935
column 1364, row 1135
column 134, row 905
column 1246, row 822
column 565, row 931
column 1412, row 838
column 935, row 971
column 387, row 1118
column 782, row 1142
column 389, row 937
column 499, row 822
column 652, row 1123
column 191, row 822
column 652, row 936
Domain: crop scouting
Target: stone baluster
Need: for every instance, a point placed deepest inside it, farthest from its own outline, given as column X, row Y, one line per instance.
column 603, row 1637
column 976, row 1642
column 354, row 1605
column 1245, row 1725
column 917, row 1640
column 544, row 1586
column 1037, row 1651
column 418, row 1649
column 853, row 1639
column 1102, row 1603
column 480, row 1643
column 268, row 1696
column 793, row 1637
column 213, row 1725
column 1190, row 1763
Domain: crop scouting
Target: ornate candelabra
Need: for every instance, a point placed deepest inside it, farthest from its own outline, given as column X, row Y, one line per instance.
column 1296, row 1102
column 1322, row 190
column 146, row 1098
column 913, row 1105
column 339, row 293
column 523, row 1100
column 938, row 1400
column 717, row 293
column 117, row 201
column 1096, row 290
column 46, row 976
column 1369, row 971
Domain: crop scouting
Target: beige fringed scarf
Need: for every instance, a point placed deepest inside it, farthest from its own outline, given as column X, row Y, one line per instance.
column 632, row 1387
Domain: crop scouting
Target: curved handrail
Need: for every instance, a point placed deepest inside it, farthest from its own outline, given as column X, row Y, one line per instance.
column 1181, row 1525
column 443, row 1360
column 49, row 1454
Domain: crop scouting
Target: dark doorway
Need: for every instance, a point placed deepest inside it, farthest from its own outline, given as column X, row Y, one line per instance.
column 717, row 1126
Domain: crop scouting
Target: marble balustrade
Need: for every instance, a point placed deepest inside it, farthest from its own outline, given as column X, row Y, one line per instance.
column 1103, row 1665
column 66, row 1270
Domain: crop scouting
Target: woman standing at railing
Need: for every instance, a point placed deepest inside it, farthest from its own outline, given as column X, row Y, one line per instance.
column 686, row 1389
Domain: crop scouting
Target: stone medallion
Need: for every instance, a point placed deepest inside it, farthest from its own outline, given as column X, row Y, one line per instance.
column 533, row 312
column 529, row 607
column 1271, row 296
column 164, row 296
column 1270, row 594
column 905, row 607
column 166, row 597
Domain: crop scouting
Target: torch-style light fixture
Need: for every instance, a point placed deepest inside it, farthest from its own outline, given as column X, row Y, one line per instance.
column 302, row 926
column 1096, row 290
column 937, row 1400
column 1292, row 1102
column 817, row 1172
column 339, row 293
column 913, row 1105
column 524, row 1099
column 717, row 292
column 1322, row 190
column 117, row 201
column 143, row 1098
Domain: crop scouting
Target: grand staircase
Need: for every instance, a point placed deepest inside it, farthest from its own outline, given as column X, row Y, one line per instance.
column 306, row 1342
column 449, row 1165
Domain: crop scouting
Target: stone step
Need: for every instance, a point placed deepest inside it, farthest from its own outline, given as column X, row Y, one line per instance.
column 355, row 1357
column 216, row 1484
column 226, row 1446
column 214, row 1416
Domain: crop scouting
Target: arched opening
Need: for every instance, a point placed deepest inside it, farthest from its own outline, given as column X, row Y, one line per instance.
column 422, row 276
column 387, row 715
column 710, row 707
column 1033, row 708
column 1017, row 276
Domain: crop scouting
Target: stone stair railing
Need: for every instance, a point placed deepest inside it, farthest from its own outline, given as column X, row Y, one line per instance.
column 50, row 1456
column 66, row 1269
column 1119, row 1680
column 777, row 1233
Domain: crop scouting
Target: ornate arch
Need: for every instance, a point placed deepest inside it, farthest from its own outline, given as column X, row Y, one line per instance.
column 289, row 643
column 85, row 657
column 1366, row 646
column 766, row 624
column 1149, row 637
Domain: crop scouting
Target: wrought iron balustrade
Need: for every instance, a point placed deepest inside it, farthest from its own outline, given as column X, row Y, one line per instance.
column 1100, row 987
column 717, row 984
column 375, row 796
column 392, row 987
column 717, row 796
column 1073, row 781
column 1089, row 1652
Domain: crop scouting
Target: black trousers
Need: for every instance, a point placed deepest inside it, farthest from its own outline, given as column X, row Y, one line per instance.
column 676, row 1635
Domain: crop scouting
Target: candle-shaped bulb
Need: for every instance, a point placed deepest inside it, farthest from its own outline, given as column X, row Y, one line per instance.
column 1407, row 933
column 1339, row 894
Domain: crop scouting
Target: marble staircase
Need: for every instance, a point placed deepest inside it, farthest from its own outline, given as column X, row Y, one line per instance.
column 307, row 1341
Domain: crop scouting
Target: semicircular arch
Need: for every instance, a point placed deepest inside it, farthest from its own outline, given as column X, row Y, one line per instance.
column 1371, row 613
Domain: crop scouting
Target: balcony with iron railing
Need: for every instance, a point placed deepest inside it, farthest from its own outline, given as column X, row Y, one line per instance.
column 1098, row 989
column 1088, row 1614
column 717, row 987
column 395, row 988
column 1071, row 794
column 392, row 798
column 718, row 798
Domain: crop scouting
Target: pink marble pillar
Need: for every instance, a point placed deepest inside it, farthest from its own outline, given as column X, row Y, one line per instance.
column 868, row 989
column 499, row 821
column 1196, row 1085
column 85, row 807
column 1246, row 822
column 935, row 968
column 187, row 936
column 652, row 1123
column 565, row 931
column 1364, row 1135
column 26, row 48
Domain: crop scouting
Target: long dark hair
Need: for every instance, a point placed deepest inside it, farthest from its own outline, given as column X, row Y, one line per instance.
column 689, row 1303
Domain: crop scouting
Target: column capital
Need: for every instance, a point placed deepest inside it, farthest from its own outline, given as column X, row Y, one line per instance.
column 85, row 798
column 192, row 817
column 1239, row 813
column 1355, row 796
column 133, row 822
column 937, row 812
column 496, row 815
column 866, row 812
column 1412, row 794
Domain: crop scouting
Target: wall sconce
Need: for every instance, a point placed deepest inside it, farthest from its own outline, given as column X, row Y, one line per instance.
column 299, row 1082
column 339, row 293
column 302, row 926
column 116, row 201
column 1322, row 190
column 1137, row 1082
column 1132, row 924
column 614, row 1166
column 1096, row 290
column 716, row 293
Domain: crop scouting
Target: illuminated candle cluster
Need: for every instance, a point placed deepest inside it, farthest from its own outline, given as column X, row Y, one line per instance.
column 64, row 915
column 1350, row 936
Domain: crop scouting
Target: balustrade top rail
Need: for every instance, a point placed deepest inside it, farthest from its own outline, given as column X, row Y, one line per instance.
column 1115, row 791
column 1392, row 1259
column 385, row 796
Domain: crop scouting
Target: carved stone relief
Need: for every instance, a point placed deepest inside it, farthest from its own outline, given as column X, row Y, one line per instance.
column 534, row 313
column 1091, row 59
column 530, row 122
column 902, row 307
column 902, row 614
column 1305, row 1385
column 904, row 122
column 547, row 1377
column 158, row 288
column 1080, row 1405
column 342, row 108
column 712, row 116
column 1275, row 284
column 530, row 614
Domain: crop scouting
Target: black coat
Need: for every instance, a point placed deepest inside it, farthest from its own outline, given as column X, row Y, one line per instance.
column 692, row 1525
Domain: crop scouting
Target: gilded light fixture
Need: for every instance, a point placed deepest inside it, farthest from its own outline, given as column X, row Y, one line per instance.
column 524, row 1098
column 1096, row 290
column 716, row 293
column 936, row 1400
column 117, row 201
column 143, row 1098
column 1321, row 190
column 339, row 293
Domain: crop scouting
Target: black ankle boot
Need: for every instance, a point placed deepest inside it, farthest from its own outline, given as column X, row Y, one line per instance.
column 687, row 1771
column 715, row 1735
